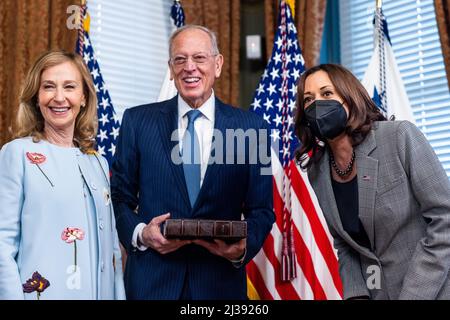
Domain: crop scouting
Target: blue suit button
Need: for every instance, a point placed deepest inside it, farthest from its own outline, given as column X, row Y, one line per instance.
column 102, row 266
column 101, row 225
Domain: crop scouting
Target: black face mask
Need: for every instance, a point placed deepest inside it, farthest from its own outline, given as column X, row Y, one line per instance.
column 326, row 118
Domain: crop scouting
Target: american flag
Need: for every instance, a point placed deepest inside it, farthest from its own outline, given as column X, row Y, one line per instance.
column 297, row 260
column 108, row 121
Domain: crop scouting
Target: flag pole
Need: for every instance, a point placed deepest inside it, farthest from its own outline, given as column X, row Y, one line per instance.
column 81, row 28
column 379, row 34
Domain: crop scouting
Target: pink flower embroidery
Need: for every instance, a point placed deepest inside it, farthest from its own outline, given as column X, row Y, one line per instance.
column 36, row 158
column 70, row 235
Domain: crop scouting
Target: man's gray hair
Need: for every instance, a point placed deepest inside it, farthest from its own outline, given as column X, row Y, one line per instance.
column 212, row 37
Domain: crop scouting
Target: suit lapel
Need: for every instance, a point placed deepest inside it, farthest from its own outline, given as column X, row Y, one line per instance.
column 327, row 200
column 327, row 194
column 94, row 186
column 367, row 184
column 167, row 126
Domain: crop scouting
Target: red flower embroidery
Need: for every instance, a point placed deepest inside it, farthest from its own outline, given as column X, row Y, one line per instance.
column 36, row 158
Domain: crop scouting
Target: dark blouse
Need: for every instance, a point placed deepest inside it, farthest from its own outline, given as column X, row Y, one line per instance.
column 346, row 195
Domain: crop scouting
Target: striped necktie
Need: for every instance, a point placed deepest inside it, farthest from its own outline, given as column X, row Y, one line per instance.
column 191, row 157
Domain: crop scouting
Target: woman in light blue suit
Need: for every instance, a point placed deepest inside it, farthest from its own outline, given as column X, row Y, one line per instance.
column 58, row 238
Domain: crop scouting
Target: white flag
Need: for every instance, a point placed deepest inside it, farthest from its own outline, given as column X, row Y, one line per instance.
column 168, row 89
column 382, row 78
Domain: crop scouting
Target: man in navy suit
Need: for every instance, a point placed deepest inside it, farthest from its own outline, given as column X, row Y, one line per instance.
column 150, row 184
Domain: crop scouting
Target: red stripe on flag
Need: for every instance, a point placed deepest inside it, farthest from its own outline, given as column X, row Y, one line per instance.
column 303, row 255
column 307, row 264
column 284, row 289
column 318, row 231
column 258, row 282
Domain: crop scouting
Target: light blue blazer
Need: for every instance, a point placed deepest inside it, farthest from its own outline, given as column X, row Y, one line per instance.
column 37, row 202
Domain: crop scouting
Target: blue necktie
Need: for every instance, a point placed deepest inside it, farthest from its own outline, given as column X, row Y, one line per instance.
column 191, row 157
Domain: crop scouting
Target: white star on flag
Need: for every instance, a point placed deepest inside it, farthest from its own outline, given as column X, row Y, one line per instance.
column 86, row 58
column 104, row 119
column 102, row 135
column 95, row 74
column 261, row 88
column 256, row 103
column 104, row 103
column 272, row 89
column 114, row 133
column 112, row 150
column 274, row 74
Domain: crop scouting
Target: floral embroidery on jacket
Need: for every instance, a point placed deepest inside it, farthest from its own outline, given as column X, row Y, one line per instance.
column 37, row 159
column 36, row 283
column 71, row 234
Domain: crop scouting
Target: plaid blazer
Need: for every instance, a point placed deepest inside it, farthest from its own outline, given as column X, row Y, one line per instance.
column 404, row 207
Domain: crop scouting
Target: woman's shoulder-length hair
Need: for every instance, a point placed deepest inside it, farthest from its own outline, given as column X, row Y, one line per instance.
column 29, row 120
column 362, row 111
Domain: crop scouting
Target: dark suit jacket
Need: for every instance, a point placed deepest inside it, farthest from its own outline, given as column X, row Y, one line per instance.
column 404, row 206
column 145, row 177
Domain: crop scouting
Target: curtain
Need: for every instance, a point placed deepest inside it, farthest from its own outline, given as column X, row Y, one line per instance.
column 223, row 18
column 28, row 28
column 309, row 20
column 442, row 8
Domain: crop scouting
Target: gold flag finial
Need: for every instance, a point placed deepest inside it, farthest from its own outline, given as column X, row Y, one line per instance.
column 379, row 4
column 86, row 19
column 87, row 22
column 291, row 3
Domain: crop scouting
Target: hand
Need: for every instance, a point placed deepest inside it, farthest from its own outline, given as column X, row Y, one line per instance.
column 220, row 248
column 153, row 238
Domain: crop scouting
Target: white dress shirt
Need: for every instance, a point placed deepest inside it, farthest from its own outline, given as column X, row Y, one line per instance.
column 204, row 127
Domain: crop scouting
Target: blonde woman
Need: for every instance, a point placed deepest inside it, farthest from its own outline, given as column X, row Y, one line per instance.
column 57, row 231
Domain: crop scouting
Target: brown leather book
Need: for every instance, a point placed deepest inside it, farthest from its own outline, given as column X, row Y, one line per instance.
column 227, row 230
